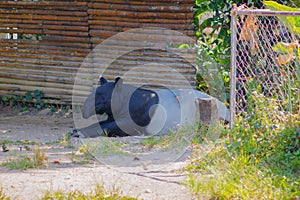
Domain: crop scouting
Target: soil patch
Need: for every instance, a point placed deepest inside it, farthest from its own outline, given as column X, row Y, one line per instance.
column 68, row 168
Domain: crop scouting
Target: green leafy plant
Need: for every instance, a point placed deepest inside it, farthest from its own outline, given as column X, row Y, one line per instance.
column 286, row 50
column 291, row 22
column 212, row 21
column 216, row 18
column 35, row 98
column 32, row 99
column 11, row 100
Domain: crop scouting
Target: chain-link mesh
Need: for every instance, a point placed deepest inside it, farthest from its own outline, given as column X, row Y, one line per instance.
column 266, row 60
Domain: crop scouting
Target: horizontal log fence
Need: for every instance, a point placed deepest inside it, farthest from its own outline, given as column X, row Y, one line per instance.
column 44, row 45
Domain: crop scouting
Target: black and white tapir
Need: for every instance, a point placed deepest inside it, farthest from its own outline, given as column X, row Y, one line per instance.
column 135, row 111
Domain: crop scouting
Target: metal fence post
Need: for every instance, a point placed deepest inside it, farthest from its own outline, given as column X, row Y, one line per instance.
column 233, row 29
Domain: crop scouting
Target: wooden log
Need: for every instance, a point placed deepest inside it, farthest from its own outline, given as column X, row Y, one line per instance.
column 123, row 25
column 55, row 92
column 32, row 77
column 139, row 15
column 44, row 22
column 21, row 65
column 143, row 8
column 83, row 46
column 43, row 12
column 46, row 31
column 45, row 43
column 45, row 84
column 163, row 62
column 133, row 42
column 50, row 98
column 159, row 21
column 43, row 56
column 156, row 2
column 44, row 52
column 44, row 63
column 45, row 17
column 129, row 64
column 142, row 37
column 153, row 32
column 58, row 74
column 67, row 39
column 208, row 108
column 44, row 27
column 36, row 72
column 57, row 5
column 72, row 51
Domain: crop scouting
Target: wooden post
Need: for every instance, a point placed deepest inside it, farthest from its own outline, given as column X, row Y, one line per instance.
column 208, row 110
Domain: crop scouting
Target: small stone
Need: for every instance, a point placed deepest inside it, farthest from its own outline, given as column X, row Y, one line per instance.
column 145, row 167
column 26, row 112
column 148, row 191
column 45, row 112
column 27, row 148
column 4, row 148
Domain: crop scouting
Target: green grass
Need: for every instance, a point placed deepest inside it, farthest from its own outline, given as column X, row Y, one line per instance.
column 262, row 162
column 222, row 176
column 18, row 142
column 173, row 140
column 66, row 140
column 22, row 162
column 38, row 160
column 99, row 193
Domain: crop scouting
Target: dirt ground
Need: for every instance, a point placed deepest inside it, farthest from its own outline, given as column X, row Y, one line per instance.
column 67, row 168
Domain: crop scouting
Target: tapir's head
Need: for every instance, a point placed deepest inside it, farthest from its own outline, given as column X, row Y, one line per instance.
column 99, row 101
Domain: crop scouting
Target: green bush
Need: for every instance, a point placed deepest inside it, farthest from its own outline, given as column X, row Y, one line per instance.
column 262, row 162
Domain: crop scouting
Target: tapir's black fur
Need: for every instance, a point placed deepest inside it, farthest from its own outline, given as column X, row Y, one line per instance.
column 140, row 103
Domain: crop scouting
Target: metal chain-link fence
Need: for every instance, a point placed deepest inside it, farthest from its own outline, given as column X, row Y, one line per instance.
column 265, row 59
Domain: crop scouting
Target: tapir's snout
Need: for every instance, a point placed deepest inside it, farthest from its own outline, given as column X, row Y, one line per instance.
column 88, row 108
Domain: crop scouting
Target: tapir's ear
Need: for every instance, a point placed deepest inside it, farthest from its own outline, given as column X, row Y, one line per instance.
column 118, row 83
column 102, row 81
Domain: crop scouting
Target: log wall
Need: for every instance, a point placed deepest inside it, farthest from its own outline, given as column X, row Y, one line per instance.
column 44, row 43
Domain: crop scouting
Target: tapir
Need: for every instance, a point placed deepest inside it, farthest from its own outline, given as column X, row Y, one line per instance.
column 133, row 111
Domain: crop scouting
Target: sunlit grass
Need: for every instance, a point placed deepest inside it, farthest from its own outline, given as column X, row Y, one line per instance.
column 98, row 193
column 38, row 160
column 262, row 162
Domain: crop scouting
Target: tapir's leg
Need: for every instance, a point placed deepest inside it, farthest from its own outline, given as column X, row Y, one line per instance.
column 92, row 131
column 111, row 129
